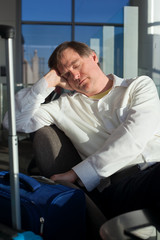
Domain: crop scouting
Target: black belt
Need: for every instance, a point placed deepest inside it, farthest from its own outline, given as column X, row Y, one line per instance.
column 116, row 177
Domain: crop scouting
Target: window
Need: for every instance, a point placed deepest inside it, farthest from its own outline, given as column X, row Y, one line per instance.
column 40, row 41
column 48, row 10
column 103, row 11
column 46, row 24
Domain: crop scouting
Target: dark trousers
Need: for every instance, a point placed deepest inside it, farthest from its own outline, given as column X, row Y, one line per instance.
column 139, row 191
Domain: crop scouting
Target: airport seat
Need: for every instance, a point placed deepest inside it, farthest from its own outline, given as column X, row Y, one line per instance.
column 51, row 144
column 52, row 150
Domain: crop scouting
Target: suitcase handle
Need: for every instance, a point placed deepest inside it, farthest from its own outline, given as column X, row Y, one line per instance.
column 6, row 31
column 30, row 183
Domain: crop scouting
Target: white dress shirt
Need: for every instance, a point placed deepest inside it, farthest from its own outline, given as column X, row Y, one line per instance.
column 119, row 130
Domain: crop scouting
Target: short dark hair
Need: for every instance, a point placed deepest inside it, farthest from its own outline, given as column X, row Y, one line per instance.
column 81, row 48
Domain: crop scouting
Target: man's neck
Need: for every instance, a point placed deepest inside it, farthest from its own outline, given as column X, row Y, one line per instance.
column 107, row 83
column 103, row 84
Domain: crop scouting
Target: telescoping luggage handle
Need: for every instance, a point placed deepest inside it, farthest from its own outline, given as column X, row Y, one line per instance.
column 7, row 32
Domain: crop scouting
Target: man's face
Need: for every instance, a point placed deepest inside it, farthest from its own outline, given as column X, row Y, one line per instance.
column 80, row 72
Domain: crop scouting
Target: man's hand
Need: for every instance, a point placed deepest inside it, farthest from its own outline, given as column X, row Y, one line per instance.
column 69, row 176
column 53, row 79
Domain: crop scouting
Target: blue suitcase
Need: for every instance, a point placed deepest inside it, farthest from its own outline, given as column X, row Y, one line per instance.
column 54, row 211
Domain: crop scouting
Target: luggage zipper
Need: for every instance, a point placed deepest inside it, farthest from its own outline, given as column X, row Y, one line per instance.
column 41, row 225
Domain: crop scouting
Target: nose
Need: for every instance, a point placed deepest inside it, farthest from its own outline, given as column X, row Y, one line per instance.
column 75, row 75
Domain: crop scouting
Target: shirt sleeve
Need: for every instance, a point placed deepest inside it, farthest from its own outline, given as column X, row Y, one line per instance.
column 129, row 139
column 27, row 103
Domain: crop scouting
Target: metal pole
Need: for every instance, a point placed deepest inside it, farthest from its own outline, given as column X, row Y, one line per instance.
column 13, row 141
column 7, row 32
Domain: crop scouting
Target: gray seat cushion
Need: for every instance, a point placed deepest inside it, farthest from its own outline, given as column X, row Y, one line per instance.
column 54, row 152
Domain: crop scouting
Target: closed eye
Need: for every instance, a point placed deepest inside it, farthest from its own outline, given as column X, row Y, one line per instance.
column 66, row 75
column 76, row 66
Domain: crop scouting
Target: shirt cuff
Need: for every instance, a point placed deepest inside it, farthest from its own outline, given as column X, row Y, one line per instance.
column 87, row 175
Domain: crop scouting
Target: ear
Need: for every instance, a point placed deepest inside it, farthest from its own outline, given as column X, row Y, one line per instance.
column 94, row 57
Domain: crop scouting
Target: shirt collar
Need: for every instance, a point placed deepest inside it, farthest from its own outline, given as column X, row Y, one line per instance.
column 117, row 82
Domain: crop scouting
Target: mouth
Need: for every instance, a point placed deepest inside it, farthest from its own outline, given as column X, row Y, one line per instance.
column 82, row 81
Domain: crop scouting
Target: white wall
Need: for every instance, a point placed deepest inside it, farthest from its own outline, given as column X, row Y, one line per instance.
column 10, row 14
column 130, row 48
column 149, row 38
column 108, row 49
column 7, row 17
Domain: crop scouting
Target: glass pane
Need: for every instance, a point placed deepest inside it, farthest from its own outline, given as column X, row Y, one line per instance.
column 118, row 51
column 88, row 35
column 39, row 43
column 105, row 11
column 93, row 36
column 85, row 33
column 48, row 10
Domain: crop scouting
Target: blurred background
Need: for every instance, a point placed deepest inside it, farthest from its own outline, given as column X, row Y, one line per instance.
column 125, row 34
